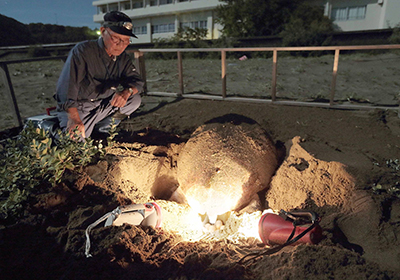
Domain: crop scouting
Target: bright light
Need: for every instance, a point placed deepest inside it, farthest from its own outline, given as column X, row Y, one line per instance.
column 249, row 223
column 213, row 201
column 181, row 219
column 186, row 222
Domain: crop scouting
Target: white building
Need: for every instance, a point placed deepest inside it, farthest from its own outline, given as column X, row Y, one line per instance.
column 359, row 15
column 155, row 19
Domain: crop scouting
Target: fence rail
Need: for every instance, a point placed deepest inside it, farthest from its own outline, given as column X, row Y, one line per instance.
column 139, row 56
column 140, row 63
column 5, row 75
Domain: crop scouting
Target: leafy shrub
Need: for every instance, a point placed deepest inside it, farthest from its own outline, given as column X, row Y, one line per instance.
column 193, row 38
column 32, row 161
column 395, row 37
column 307, row 27
column 35, row 51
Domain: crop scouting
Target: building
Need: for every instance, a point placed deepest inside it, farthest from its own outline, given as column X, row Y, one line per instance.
column 157, row 19
column 360, row 15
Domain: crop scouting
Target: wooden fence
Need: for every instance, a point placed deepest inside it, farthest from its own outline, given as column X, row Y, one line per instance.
column 5, row 75
column 140, row 63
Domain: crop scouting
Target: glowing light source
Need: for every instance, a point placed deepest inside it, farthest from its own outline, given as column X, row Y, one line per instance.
column 214, row 200
column 186, row 222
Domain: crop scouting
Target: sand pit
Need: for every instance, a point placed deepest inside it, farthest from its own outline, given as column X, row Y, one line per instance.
column 341, row 164
column 331, row 173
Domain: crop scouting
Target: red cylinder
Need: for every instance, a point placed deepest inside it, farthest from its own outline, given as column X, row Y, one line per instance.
column 274, row 230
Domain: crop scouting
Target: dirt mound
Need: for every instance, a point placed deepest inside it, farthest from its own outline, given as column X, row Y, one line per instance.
column 309, row 181
column 327, row 172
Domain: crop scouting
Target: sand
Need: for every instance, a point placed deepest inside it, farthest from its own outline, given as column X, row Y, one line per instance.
column 341, row 164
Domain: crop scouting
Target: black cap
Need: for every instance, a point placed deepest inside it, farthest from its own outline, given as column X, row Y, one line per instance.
column 119, row 23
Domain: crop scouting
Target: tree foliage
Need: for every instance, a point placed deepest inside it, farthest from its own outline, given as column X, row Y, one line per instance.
column 15, row 33
column 250, row 18
column 51, row 33
column 296, row 21
column 395, row 37
column 307, row 26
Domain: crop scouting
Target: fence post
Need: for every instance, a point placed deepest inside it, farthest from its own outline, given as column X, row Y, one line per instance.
column 10, row 94
column 274, row 73
column 334, row 75
column 140, row 64
column 180, row 74
column 223, row 72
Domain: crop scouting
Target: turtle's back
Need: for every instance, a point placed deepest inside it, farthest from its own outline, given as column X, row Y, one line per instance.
column 224, row 165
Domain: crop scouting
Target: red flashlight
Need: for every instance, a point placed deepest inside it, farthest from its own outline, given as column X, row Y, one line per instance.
column 289, row 228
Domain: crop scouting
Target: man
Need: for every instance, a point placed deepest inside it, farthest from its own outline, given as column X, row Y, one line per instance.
column 99, row 81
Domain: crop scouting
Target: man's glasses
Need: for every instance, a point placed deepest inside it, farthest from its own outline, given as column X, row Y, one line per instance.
column 116, row 40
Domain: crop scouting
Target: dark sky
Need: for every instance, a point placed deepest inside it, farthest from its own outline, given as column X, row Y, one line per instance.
column 63, row 12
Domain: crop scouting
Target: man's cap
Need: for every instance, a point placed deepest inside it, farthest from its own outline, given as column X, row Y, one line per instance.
column 119, row 23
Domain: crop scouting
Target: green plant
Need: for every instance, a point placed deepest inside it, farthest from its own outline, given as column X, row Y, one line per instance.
column 190, row 34
column 393, row 189
column 393, row 164
column 193, row 38
column 35, row 51
column 307, row 27
column 32, row 162
column 112, row 133
column 395, row 37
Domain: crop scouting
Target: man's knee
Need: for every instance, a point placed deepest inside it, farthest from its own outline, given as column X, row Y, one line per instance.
column 132, row 104
column 136, row 100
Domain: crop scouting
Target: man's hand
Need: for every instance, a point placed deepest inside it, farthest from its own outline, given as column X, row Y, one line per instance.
column 119, row 99
column 75, row 122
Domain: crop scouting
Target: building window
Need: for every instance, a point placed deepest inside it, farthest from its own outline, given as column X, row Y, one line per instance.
column 126, row 5
column 140, row 30
column 163, row 28
column 194, row 24
column 357, row 12
column 137, row 5
column 102, row 9
column 113, row 7
column 349, row 13
column 163, row 2
column 153, row 2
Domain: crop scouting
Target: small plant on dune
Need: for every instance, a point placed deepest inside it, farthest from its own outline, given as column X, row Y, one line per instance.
column 33, row 162
column 392, row 190
column 112, row 133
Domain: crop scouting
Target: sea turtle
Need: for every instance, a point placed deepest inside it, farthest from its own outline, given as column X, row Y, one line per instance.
column 225, row 164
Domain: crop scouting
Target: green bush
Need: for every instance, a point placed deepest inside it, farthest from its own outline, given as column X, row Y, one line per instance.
column 193, row 38
column 395, row 37
column 307, row 27
column 31, row 163
column 35, row 51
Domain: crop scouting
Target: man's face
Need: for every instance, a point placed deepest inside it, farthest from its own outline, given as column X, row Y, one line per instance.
column 115, row 43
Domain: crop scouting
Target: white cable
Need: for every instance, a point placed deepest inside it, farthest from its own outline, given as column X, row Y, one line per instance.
column 116, row 212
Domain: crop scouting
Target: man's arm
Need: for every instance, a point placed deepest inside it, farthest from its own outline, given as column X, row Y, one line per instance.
column 75, row 122
column 119, row 99
column 130, row 76
column 73, row 73
column 130, row 79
